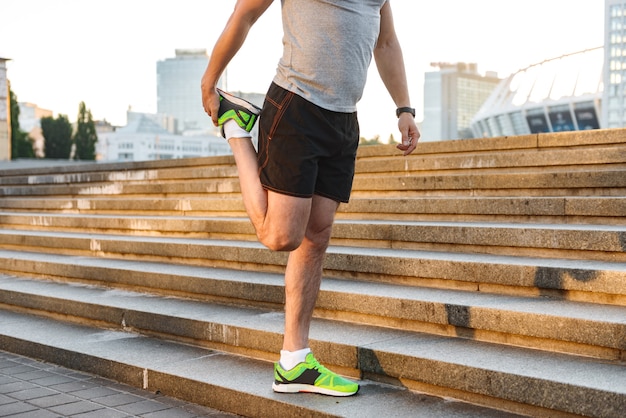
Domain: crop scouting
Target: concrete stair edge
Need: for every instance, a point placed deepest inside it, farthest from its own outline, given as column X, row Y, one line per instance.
column 528, row 142
column 533, row 141
column 210, row 378
column 560, row 325
column 440, row 282
column 540, row 182
column 593, row 241
column 435, row 361
column 563, row 209
column 477, row 271
column 522, row 160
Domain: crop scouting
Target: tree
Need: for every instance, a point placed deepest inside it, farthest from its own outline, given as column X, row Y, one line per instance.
column 57, row 135
column 21, row 144
column 85, row 137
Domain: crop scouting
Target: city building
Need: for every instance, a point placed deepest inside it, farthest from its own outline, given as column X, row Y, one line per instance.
column 178, row 89
column 452, row 96
column 167, row 122
column 559, row 94
column 614, row 94
column 30, row 122
column 143, row 139
column 5, row 108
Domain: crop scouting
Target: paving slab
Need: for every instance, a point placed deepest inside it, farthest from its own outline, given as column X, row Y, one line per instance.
column 36, row 388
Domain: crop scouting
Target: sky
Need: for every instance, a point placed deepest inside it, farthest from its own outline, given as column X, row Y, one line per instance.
column 105, row 52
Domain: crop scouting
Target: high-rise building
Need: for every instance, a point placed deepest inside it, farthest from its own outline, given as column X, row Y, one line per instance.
column 5, row 119
column 614, row 94
column 452, row 96
column 178, row 89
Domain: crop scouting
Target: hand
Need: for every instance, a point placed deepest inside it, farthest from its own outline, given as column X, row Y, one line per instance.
column 410, row 133
column 210, row 99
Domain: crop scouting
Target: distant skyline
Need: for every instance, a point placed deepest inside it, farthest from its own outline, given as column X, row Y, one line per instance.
column 63, row 52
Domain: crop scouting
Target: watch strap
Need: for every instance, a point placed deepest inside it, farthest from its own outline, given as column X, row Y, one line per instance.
column 401, row 110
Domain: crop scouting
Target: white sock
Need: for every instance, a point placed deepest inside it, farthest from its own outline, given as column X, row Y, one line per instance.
column 232, row 130
column 290, row 359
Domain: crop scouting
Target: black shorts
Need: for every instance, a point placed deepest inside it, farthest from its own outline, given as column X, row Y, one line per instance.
column 305, row 150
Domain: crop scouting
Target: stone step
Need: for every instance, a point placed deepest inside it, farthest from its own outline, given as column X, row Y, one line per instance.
column 608, row 182
column 118, row 171
column 141, row 225
column 492, row 161
column 162, row 206
column 219, row 168
column 584, row 280
column 597, row 182
column 600, row 148
column 521, row 379
column 196, row 187
column 558, row 325
column 211, row 167
column 489, row 270
column 592, row 242
column 521, row 163
column 547, row 142
column 207, row 377
column 568, row 210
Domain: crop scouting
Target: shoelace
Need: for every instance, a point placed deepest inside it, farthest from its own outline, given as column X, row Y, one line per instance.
column 317, row 366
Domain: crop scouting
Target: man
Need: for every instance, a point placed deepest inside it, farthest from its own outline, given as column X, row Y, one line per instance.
column 308, row 137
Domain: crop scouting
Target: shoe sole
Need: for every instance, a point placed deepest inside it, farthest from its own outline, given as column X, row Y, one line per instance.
column 301, row 388
column 252, row 108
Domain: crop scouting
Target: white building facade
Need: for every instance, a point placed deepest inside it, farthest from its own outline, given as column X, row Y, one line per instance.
column 143, row 139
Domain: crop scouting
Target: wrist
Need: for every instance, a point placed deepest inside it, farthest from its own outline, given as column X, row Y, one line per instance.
column 405, row 109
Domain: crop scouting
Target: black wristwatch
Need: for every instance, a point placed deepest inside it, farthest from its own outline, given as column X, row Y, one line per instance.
column 405, row 110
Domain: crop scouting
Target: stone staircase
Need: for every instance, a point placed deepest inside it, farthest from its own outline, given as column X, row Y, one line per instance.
column 475, row 278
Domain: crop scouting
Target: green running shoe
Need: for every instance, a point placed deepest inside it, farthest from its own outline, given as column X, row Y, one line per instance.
column 241, row 111
column 310, row 376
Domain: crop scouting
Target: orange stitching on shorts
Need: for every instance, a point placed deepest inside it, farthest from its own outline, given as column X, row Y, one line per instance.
column 282, row 107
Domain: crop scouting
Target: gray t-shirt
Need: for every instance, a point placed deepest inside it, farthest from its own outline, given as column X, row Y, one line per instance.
column 327, row 50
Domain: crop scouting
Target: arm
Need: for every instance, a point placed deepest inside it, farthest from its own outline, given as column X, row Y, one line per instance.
column 244, row 15
column 390, row 64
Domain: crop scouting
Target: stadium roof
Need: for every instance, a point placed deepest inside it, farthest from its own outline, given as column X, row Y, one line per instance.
column 558, row 79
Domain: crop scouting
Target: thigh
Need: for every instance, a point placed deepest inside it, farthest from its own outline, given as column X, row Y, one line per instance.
column 321, row 218
column 294, row 218
column 287, row 217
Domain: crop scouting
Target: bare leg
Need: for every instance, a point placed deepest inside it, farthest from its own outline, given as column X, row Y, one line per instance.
column 304, row 274
column 278, row 221
column 277, row 218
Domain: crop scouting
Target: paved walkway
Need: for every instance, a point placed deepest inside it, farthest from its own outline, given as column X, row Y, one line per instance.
column 35, row 389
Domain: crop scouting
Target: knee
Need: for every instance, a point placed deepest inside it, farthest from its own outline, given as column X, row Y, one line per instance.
column 279, row 242
column 319, row 238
